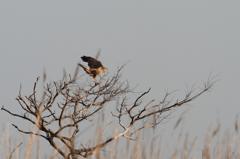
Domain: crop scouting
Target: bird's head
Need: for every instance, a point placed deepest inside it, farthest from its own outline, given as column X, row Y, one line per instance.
column 104, row 69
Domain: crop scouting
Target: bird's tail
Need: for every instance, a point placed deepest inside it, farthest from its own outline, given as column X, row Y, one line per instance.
column 84, row 67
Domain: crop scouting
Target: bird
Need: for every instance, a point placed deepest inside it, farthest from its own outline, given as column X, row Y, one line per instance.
column 95, row 67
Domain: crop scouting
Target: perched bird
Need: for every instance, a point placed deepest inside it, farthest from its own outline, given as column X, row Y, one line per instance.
column 95, row 67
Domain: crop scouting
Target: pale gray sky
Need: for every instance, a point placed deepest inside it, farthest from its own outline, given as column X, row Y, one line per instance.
column 168, row 43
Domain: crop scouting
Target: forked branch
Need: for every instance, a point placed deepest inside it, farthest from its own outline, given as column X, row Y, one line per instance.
column 67, row 103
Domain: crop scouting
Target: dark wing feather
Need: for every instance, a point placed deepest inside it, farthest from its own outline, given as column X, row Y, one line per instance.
column 92, row 63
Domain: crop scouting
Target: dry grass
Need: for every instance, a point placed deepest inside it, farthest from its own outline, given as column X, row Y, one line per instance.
column 217, row 145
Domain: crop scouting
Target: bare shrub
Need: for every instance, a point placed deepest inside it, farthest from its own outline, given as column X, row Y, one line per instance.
column 67, row 103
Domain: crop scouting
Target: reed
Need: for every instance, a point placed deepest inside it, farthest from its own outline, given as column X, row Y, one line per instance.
column 217, row 145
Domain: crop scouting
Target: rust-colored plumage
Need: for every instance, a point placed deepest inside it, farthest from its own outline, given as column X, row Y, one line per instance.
column 95, row 67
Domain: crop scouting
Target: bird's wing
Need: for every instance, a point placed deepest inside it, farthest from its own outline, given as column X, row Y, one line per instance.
column 92, row 63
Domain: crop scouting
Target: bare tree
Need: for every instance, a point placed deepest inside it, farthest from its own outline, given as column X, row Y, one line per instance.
column 67, row 103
